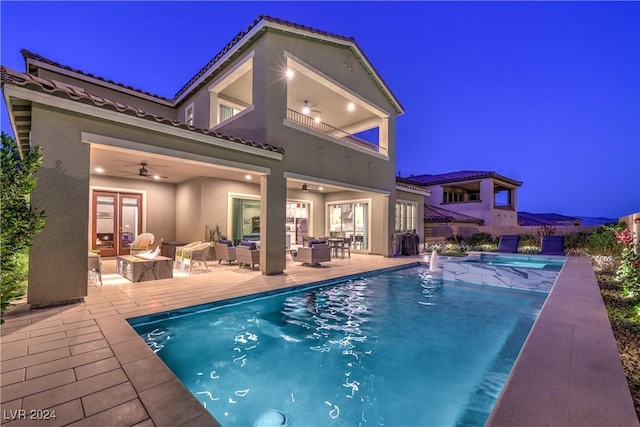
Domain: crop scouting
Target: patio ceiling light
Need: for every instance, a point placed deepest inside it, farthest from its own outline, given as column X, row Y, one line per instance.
column 99, row 170
column 317, row 119
column 351, row 106
column 248, row 177
column 289, row 73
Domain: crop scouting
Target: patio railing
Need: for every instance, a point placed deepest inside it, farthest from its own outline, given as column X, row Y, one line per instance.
column 334, row 132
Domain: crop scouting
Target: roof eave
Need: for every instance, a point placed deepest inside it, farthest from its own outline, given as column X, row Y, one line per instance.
column 263, row 25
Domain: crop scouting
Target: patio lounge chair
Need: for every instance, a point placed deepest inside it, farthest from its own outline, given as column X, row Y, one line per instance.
column 314, row 254
column 141, row 243
column 179, row 253
column 552, row 245
column 248, row 253
column 225, row 251
column 196, row 255
column 508, row 244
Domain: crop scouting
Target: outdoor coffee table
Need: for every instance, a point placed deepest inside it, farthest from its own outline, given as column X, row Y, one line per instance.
column 141, row 270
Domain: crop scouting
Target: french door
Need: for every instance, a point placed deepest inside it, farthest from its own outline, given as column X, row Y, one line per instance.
column 117, row 220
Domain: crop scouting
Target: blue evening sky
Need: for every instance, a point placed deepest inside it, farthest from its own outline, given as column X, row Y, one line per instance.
column 547, row 93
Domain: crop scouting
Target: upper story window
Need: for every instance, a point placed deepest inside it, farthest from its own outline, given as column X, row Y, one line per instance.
column 227, row 110
column 188, row 115
column 462, row 193
column 406, row 213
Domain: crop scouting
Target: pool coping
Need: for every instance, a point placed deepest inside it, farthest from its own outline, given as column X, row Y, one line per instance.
column 569, row 370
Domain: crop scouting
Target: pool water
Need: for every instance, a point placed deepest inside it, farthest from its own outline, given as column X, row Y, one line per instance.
column 399, row 348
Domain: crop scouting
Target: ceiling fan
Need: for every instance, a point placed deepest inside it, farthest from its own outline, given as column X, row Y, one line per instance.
column 144, row 172
column 308, row 108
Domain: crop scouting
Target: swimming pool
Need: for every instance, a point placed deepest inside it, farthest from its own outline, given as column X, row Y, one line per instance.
column 517, row 260
column 399, row 348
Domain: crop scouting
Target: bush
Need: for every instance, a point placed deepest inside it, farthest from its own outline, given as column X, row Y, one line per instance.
column 479, row 239
column 19, row 221
column 603, row 242
column 528, row 244
column 576, row 241
column 528, row 240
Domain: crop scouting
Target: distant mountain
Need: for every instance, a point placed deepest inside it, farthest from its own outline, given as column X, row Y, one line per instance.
column 588, row 220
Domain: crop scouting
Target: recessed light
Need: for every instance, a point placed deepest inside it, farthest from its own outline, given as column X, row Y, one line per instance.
column 247, row 176
column 320, row 188
column 351, row 106
column 317, row 119
column 289, row 73
column 156, row 176
column 99, row 170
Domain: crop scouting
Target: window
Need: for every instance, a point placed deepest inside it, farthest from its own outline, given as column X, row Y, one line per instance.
column 462, row 193
column 227, row 112
column 188, row 115
column 245, row 218
column 452, row 197
column 406, row 216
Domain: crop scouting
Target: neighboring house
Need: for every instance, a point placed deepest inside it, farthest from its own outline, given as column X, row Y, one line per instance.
column 265, row 139
column 528, row 219
column 483, row 195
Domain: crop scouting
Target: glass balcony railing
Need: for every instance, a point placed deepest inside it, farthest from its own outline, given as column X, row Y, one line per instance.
column 334, row 132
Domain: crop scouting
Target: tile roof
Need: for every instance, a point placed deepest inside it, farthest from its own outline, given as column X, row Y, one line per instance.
column 411, row 185
column 27, row 55
column 428, row 179
column 240, row 36
column 549, row 219
column 436, row 214
column 28, row 81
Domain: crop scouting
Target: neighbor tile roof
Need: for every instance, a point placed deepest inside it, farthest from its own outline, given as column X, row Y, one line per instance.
column 428, row 179
column 38, row 84
column 437, row 214
column 411, row 185
column 549, row 219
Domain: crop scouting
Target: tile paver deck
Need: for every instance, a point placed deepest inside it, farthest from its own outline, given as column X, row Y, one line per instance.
column 85, row 362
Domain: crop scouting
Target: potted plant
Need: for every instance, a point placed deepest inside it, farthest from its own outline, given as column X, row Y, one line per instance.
column 214, row 234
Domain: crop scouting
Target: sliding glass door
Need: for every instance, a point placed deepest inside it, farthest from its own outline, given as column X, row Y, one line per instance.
column 349, row 219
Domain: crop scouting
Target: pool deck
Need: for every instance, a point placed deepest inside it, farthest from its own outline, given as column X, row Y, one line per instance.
column 86, row 363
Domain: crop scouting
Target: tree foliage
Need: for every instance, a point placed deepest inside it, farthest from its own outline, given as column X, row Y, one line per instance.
column 19, row 221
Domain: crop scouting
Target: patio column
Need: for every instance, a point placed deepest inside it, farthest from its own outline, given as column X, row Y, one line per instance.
column 58, row 257
column 273, row 195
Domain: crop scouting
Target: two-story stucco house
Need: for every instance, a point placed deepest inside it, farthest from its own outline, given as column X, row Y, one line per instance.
column 463, row 198
column 485, row 195
column 267, row 138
